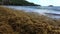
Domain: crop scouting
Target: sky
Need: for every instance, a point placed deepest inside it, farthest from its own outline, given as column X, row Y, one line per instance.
column 46, row 2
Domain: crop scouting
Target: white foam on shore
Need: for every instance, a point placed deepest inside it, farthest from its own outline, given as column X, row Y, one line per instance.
column 40, row 11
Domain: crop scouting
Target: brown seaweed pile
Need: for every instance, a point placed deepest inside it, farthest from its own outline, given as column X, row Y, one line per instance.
column 20, row 22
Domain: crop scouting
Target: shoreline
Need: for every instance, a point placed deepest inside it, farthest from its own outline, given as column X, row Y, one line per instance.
column 40, row 11
column 20, row 22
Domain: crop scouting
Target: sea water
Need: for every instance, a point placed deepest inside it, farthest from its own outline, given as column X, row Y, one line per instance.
column 38, row 9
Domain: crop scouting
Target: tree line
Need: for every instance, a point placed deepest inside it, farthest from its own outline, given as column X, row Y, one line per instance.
column 17, row 2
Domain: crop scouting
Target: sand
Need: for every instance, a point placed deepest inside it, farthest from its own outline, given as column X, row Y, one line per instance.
column 20, row 22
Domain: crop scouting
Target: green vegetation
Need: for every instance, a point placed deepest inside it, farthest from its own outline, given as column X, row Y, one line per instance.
column 18, row 2
column 20, row 22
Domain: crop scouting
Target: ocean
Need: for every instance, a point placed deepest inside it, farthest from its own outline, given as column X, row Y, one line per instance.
column 52, row 12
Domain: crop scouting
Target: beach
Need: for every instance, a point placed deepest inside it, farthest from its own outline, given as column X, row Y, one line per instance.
column 21, row 22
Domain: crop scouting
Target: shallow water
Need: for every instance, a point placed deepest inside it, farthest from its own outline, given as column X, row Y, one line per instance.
column 40, row 11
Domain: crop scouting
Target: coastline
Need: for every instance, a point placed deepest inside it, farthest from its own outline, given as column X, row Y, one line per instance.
column 20, row 22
